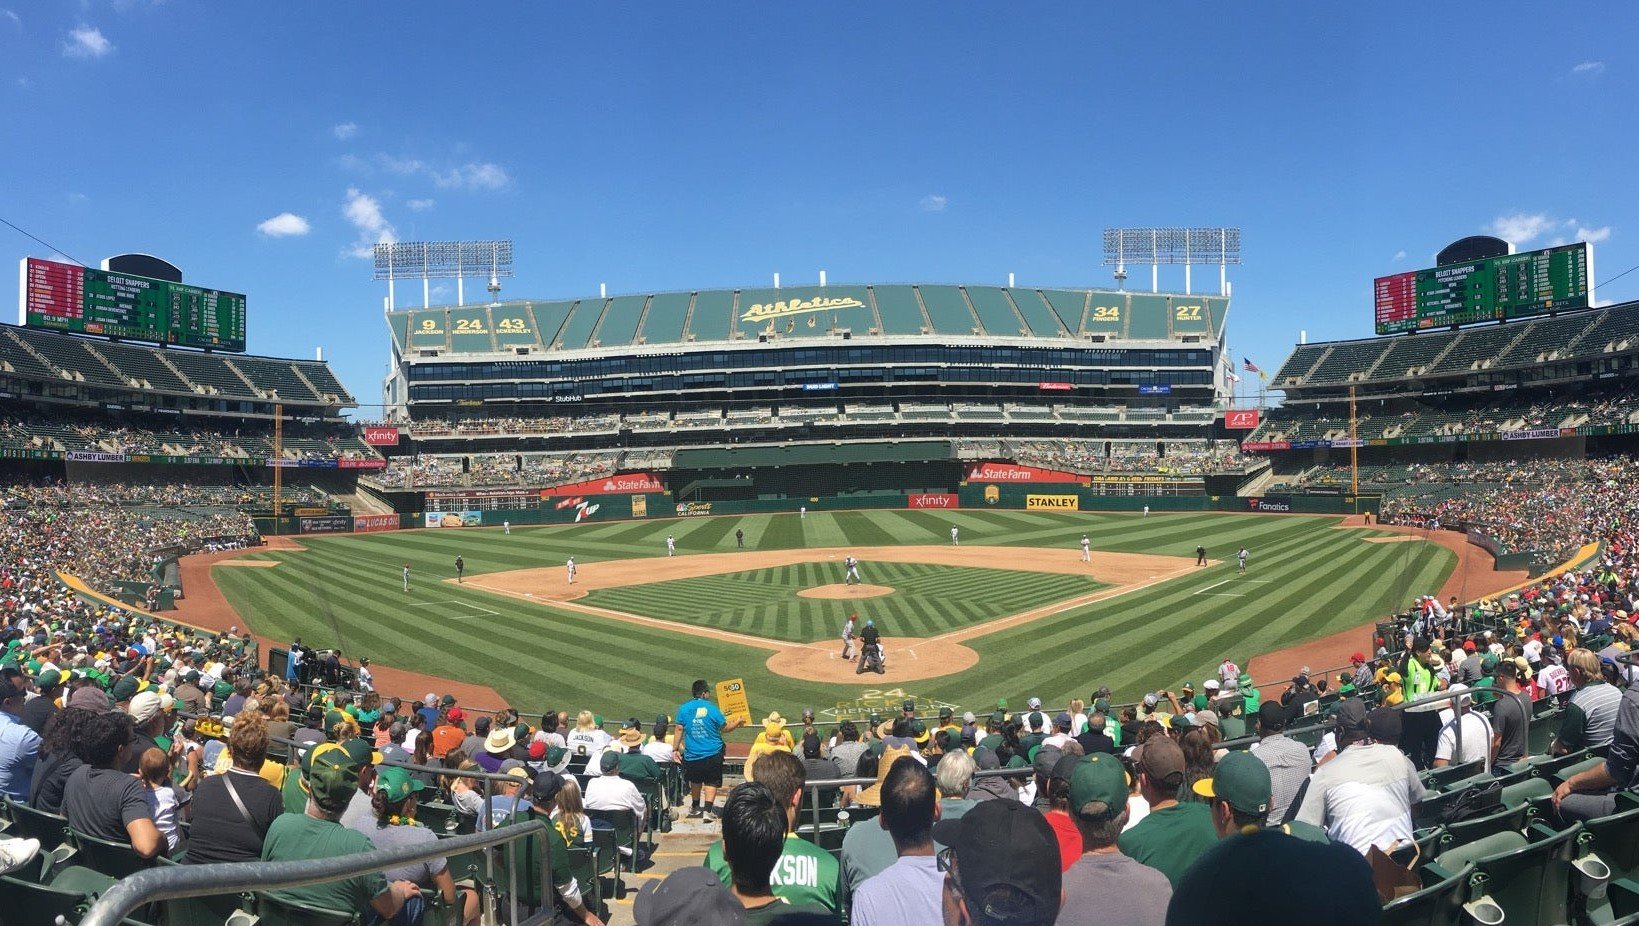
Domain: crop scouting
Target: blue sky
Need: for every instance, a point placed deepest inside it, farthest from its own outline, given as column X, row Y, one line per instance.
column 264, row 147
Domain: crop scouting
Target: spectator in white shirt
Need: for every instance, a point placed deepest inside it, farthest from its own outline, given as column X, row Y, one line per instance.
column 609, row 791
column 1475, row 729
column 1365, row 795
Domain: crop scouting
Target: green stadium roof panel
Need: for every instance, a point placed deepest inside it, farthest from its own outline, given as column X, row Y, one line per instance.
column 514, row 325
column 898, row 309
column 549, row 319
column 996, row 312
column 619, row 325
column 891, row 310
column 948, row 310
column 668, row 315
column 1043, row 321
column 470, row 330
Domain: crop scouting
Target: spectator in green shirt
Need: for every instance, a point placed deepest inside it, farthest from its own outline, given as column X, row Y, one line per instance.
column 332, row 779
column 804, row 875
column 755, row 847
column 1173, row 835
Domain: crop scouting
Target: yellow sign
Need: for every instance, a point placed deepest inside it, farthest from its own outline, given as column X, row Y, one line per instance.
column 1052, row 503
column 993, row 494
column 731, row 699
column 640, row 506
column 766, row 310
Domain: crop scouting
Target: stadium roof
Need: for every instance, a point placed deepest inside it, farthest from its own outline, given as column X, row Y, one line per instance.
column 808, row 312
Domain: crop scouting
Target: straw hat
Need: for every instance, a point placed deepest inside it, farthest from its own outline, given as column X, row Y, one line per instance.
column 872, row 796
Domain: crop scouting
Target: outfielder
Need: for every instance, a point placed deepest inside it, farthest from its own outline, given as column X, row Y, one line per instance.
column 406, row 576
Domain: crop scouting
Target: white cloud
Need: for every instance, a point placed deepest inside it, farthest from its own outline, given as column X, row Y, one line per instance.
column 345, row 130
column 474, row 175
column 1399, row 255
column 933, row 202
column 1589, row 68
column 1592, row 235
column 1522, row 228
column 86, row 42
column 364, row 212
column 76, row 198
column 419, row 205
column 11, row 15
column 284, row 225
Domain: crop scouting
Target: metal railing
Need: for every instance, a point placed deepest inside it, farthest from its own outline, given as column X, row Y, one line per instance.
column 177, row 882
column 815, row 787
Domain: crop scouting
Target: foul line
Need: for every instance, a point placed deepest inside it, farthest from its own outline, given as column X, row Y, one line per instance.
column 456, row 617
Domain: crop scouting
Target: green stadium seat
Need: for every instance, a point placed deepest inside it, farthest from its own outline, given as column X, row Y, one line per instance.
column 1528, row 876
column 1439, row 903
column 115, row 859
column 623, row 824
column 1440, row 778
column 1568, row 771
column 1540, row 736
column 271, row 911
column 1616, row 842
column 1509, row 819
column 51, row 829
column 1522, row 793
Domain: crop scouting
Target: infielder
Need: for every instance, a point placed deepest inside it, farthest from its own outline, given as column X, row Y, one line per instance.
column 953, row 540
column 1086, row 549
column 671, row 545
column 460, row 567
column 852, row 565
column 1241, row 556
column 1200, row 556
column 570, row 567
column 406, row 576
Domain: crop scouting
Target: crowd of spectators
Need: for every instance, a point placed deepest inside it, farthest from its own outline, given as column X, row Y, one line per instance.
column 482, row 427
column 428, row 471
column 1548, row 506
column 1180, row 458
column 133, row 433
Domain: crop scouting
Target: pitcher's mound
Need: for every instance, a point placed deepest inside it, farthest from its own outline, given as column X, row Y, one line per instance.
column 845, row 591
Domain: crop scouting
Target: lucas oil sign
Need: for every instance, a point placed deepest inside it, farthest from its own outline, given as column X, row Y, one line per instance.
column 1052, row 503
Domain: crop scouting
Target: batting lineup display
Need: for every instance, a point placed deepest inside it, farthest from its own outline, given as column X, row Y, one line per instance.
column 83, row 300
column 1491, row 289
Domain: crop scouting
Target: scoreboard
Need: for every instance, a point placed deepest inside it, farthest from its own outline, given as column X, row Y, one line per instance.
column 1495, row 288
column 83, row 300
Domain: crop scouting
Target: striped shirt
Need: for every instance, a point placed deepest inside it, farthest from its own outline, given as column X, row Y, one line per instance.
column 1590, row 719
column 1289, row 765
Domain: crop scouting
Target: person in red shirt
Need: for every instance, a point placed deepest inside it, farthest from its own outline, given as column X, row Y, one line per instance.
column 1058, row 811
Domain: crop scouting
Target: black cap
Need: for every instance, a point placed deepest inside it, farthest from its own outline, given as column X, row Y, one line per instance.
column 1383, row 725
column 1230, row 883
column 546, row 787
column 909, row 705
column 690, row 896
column 1272, row 714
column 1005, row 850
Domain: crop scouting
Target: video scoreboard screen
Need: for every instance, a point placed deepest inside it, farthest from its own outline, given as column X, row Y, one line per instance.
column 83, row 300
column 1511, row 286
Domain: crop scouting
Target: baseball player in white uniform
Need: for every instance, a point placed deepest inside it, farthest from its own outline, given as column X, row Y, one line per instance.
column 1086, row 549
column 1241, row 557
column 406, row 576
column 671, row 545
column 852, row 578
column 506, row 528
column 570, row 568
column 953, row 540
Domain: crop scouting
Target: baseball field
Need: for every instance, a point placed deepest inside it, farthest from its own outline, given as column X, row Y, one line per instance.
column 1012, row 611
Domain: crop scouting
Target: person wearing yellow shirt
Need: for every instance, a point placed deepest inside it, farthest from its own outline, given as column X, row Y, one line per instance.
column 774, row 738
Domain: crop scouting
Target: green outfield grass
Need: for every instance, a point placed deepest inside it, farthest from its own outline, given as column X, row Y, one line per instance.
column 1306, row 580
column 927, row 600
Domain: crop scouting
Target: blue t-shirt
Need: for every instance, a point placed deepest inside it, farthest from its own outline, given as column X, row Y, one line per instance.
column 702, row 729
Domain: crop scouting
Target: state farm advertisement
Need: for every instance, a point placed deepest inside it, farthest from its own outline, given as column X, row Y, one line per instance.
column 381, row 437
column 932, row 500
column 619, row 484
column 1241, row 419
column 1012, row 472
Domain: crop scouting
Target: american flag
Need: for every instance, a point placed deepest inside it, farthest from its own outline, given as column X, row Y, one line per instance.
column 1250, row 366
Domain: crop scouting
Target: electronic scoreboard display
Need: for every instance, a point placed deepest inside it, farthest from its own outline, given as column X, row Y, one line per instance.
column 83, row 300
column 1510, row 286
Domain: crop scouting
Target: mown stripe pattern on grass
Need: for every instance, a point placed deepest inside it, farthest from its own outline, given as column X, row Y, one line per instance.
column 1306, row 580
column 927, row 599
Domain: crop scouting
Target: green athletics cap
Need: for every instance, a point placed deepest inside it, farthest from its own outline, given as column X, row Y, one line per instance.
column 1241, row 780
column 397, row 784
column 1097, row 784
